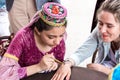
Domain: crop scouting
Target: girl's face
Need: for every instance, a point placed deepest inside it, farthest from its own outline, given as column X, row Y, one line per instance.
column 109, row 27
column 52, row 37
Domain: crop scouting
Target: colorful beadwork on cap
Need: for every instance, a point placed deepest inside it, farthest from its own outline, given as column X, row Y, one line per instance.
column 53, row 14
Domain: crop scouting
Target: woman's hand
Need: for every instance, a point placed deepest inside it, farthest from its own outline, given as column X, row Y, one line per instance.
column 99, row 67
column 62, row 72
column 48, row 63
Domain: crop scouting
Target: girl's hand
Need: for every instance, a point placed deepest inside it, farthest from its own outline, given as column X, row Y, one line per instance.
column 48, row 63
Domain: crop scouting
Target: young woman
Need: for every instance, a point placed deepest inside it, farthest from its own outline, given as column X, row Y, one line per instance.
column 36, row 47
column 105, row 38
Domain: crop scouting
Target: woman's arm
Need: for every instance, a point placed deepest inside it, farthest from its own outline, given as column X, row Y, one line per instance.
column 99, row 67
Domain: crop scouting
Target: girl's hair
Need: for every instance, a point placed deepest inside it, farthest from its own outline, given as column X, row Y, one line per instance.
column 41, row 25
column 112, row 6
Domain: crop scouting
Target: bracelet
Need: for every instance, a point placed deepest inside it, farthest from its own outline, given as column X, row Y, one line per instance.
column 68, row 61
column 42, row 72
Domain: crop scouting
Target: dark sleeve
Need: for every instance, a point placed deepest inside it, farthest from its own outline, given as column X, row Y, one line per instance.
column 9, row 4
column 58, row 1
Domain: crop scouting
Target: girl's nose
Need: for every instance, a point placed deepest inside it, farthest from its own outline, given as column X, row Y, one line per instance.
column 57, row 41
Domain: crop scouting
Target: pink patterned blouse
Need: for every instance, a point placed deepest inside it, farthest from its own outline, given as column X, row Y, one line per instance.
column 23, row 52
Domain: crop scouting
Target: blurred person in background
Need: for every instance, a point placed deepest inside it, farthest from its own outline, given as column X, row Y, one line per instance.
column 20, row 12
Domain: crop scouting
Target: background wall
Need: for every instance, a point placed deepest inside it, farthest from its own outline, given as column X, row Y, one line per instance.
column 80, row 16
column 4, row 23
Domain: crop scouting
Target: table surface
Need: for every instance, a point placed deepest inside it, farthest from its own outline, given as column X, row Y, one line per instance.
column 78, row 73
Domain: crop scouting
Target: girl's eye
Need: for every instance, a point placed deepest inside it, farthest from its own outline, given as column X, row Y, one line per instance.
column 50, row 37
column 61, row 35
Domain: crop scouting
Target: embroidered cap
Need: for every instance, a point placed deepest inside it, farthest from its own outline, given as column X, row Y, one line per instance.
column 53, row 14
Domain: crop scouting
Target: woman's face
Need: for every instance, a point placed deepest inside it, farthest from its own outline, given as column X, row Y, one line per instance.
column 109, row 27
column 52, row 37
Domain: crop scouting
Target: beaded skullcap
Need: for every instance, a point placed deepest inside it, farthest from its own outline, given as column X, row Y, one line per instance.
column 53, row 14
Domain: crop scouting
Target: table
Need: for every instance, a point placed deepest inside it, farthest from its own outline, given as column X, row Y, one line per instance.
column 78, row 73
